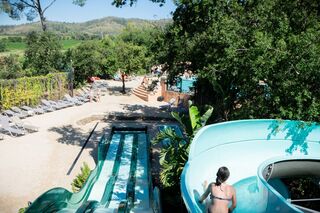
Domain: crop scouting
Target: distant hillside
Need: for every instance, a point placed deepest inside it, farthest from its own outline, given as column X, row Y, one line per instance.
column 108, row 25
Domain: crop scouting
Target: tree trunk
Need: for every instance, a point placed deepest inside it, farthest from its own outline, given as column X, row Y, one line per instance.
column 123, row 84
column 43, row 24
column 42, row 18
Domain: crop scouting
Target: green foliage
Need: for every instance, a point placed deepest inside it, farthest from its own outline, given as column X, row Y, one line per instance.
column 195, row 121
column 70, row 43
column 16, row 46
column 88, row 60
column 3, row 46
column 22, row 210
column 304, row 188
column 10, row 67
column 81, row 178
column 43, row 53
column 120, row 3
column 124, row 55
column 30, row 90
column 254, row 59
column 172, row 157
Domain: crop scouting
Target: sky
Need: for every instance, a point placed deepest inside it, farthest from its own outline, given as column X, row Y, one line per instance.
column 65, row 11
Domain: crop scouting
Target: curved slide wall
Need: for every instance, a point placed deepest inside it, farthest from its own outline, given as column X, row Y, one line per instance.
column 246, row 147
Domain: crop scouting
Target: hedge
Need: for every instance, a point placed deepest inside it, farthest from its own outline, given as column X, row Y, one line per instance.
column 30, row 90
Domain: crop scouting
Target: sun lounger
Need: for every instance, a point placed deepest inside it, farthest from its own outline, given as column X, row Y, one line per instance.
column 84, row 96
column 18, row 110
column 102, row 85
column 10, row 113
column 46, row 108
column 24, row 125
column 36, row 110
column 64, row 103
column 51, row 104
column 168, row 105
column 7, row 127
column 73, row 99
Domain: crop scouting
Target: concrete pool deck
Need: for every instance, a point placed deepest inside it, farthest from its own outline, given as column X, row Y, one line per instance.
column 39, row 161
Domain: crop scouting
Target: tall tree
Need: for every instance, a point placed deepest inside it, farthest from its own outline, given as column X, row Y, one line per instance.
column 88, row 60
column 43, row 53
column 254, row 59
column 30, row 8
column 126, row 57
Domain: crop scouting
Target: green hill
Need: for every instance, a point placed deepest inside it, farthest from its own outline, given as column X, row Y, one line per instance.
column 97, row 27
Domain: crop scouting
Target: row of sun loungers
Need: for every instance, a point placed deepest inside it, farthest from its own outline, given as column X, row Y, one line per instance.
column 10, row 120
column 11, row 123
column 14, row 126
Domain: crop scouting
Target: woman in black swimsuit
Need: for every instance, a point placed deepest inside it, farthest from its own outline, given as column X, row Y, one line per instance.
column 220, row 193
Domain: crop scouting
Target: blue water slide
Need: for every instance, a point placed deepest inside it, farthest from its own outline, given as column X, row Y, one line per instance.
column 121, row 181
column 256, row 153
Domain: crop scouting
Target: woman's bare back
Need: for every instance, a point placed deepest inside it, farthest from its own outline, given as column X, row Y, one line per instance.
column 220, row 197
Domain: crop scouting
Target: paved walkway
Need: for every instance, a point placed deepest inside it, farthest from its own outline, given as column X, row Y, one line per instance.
column 37, row 162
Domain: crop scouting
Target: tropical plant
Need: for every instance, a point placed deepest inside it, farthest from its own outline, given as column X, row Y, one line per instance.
column 194, row 121
column 81, row 178
column 174, row 155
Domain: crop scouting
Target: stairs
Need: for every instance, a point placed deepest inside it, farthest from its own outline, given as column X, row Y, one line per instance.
column 141, row 92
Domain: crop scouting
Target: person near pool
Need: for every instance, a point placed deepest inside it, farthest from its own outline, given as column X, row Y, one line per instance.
column 220, row 193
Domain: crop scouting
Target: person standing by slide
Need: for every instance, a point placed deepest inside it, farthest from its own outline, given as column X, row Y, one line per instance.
column 220, row 193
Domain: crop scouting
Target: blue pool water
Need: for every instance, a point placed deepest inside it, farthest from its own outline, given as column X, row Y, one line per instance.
column 247, row 147
column 185, row 84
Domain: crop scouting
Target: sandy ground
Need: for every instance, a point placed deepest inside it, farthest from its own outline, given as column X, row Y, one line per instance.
column 37, row 162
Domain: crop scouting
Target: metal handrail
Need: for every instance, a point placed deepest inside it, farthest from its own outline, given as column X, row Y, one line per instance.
column 305, row 200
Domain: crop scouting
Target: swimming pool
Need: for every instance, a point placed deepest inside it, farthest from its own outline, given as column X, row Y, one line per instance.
column 185, row 84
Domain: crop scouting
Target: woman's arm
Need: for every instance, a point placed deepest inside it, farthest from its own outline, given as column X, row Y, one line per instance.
column 234, row 200
column 205, row 194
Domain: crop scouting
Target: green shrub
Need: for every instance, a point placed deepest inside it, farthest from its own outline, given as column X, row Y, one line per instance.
column 30, row 90
column 22, row 210
column 3, row 46
column 81, row 178
column 10, row 67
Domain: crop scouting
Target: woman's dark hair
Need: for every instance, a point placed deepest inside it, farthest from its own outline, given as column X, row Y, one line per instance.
column 222, row 175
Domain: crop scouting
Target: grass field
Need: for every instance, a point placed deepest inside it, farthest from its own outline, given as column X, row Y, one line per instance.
column 19, row 47
column 66, row 44
column 14, row 46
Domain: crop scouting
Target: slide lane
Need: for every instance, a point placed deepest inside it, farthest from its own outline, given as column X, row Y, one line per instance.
column 106, row 172
column 243, row 157
column 142, row 197
column 120, row 186
column 123, row 175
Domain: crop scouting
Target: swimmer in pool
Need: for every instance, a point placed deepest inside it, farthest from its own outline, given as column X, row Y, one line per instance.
column 220, row 193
